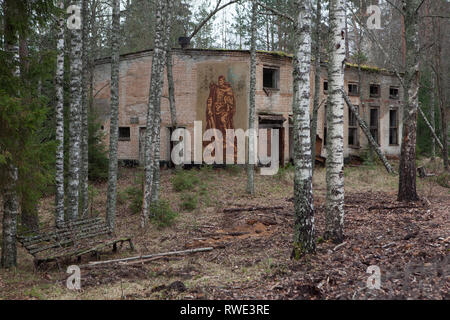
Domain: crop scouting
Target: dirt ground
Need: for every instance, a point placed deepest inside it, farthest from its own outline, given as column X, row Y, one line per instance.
column 251, row 256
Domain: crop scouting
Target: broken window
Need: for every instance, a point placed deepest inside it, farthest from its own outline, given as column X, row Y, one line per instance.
column 270, row 78
column 374, row 123
column 124, row 133
column 374, row 90
column 393, row 93
column 353, row 89
column 325, row 86
column 353, row 128
column 393, row 126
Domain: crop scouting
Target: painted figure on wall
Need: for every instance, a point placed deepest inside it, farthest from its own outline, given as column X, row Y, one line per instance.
column 220, row 107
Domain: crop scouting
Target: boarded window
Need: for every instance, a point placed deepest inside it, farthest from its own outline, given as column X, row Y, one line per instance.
column 393, row 93
column 393, row 126
column 325, row 86
column 353, row 89
column 353, row 128
column 124, row 133
column 271, row 78
column 374, row 90
column 374, row 123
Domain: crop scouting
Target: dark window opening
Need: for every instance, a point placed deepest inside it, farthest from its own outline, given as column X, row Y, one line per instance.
column 325, row 86
column 124, row 133
column 393, row 93
column 353, row 128
column 270, row 78
column 393, row 127
column 374, row 90
column 374, row 124
column 353, row 89
column 134, row 120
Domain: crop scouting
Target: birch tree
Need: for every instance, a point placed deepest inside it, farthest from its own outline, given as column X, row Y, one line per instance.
column 75, row 120
column 10, row 196
column 114, row 120
column 59, row 114
column 251, row 108
column 167, row 19
column 432, row 114
column 304, row 241
column 156, row 83
column 84, row 166
column 171, row 86
column 334, row 216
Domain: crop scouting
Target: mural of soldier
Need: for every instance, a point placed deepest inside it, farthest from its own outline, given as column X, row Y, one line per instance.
column 220, row 108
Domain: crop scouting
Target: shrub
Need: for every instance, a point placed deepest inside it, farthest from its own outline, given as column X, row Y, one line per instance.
column 189, row 201
column 97, row 154
column 135, row 195
column 184, row 180
column 368, row 156
column 161, row 214
column 443, row 180
column 234, row 169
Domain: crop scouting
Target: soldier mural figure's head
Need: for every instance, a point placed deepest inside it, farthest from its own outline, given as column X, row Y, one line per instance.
column 221, row 81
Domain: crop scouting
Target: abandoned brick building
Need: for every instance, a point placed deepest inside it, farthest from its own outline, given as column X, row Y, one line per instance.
column 195, row 70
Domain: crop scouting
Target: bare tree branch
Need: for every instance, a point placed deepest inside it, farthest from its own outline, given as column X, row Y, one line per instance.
column 420, row 5
column 374, row 39
column 275, row 11
column 395, row 7
column 212, row 13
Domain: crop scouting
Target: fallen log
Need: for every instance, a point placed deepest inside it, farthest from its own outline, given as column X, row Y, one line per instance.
column 252, row 209
column 390, row 208
column 149, row 256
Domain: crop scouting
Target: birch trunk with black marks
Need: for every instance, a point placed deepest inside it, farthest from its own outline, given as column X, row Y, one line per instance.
column 407, row 169
column 74, row 122
column 251, row 108
column 167, row 19
column 114, row 120
column 171, row 87
column 84, row 167
column 366, row 130
column 317, row 71
column 10, row 195
column 304, row 234
column 432, row 115
column 334, row 217
column 156, row 83
column 433, row 133
column 444, row 131
column 9, row 223
column 170, row 81
column 59, row 114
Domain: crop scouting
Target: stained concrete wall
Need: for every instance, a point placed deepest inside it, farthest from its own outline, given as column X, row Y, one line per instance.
column 192, row 67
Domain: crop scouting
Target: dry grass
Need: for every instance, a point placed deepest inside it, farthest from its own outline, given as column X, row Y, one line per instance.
column 217, row 189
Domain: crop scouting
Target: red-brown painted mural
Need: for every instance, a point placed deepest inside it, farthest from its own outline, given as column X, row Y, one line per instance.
column 220, row 108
